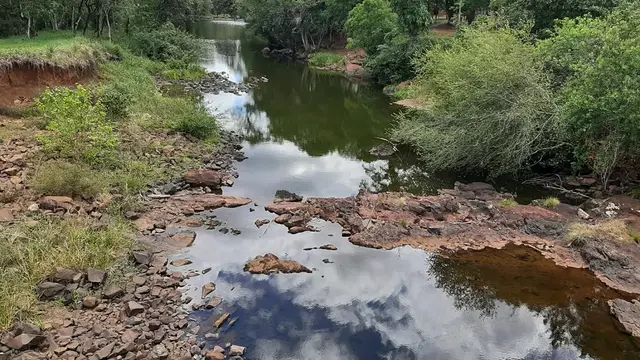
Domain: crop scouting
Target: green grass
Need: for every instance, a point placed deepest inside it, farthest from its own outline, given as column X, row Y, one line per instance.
column 60, row 178
column 32, row 251
column 60, row 49
column 550, row 203
column 508, row 203
column 323, row 59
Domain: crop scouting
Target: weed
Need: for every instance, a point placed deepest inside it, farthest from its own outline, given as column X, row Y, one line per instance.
column 323, row 59
column 31, row 253
column 550, row 203
column 60, row 178
column 579, row 234
column 508, row 203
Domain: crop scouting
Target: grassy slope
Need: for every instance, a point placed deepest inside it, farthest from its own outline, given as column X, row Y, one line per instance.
column 33, row 249
column 60, row 49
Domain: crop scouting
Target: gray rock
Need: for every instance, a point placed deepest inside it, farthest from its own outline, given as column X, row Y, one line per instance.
column 207, row 289
column 105, row 351
column 65, row 276
column 133, row 308
column 25, row 341
column 24, row 327
column 159, row 352
column 237, row 350
column 583, row 214
column 112, row 292
column 96, row 276
column 50, row 289
column 628, row 314
column 142, row 257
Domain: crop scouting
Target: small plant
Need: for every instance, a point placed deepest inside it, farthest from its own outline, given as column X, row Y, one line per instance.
column 579, row 234
column 115, row 101
column 78, row 128
column 550, row 203
column 635, row 193
column 508, row 203
column 60, row 178
column 323, row 59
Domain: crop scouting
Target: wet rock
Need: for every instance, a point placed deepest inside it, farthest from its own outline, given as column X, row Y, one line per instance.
column 299, row 229
column 184, row 238
column 181, row 262
column 383, row 150
column 214, row 355
column 328, row 247
column 208, row 178
column 271, row 264
column 286, row 196
column 327, row 261
column 236, row 350
column 628, row 314
column 283, row 219
column 213, row 302
column 50, row 289
column 96, row 276
column 25, row 341
column 133, row 308
column 259, row 223
column 207, row 289
column 221, row 320
column 224, row 230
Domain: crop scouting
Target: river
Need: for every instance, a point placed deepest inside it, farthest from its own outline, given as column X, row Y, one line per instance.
column 310, row 132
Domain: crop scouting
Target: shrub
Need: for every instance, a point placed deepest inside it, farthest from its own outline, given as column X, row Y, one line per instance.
column 596, row 64
column 60, row 178
column 323, row 59
column 508, row 203
column 31, row 253
column 78, row 128
column 491, row 104
column 369, row 24
column 115, row 100
column 194, row 120
column 165, row 44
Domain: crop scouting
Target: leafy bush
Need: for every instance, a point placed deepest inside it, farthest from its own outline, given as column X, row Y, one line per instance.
column 60, row 178
column 597, row 63
column 78, row 128
column 192, row 119
column 323, row 59
column 492, row 105
column 165, row 44
column 551, row 203
column 369, row 24
column 115, row 101
column 394, row 61
column 180, row 70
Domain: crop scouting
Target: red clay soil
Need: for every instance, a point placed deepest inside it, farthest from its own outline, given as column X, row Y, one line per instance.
column 22, row 83
column 471, row 217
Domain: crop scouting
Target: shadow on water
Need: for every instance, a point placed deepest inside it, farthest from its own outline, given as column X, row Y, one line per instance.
column 310, row 133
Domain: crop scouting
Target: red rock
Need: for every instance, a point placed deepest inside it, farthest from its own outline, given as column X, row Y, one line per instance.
column 209, row 178
column 271, row 264
column 56, row 203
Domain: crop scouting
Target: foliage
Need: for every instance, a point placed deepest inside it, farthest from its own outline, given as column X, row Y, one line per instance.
column 78, row 128
column 544, row 13
column 413, row 15
column 114, row 100
column 166, row 43
column 32, row 251
column 394, row 61
column 579, row 234
column 324, row 59
column 190, row 119
column 550, row 203
column 60, row 178
column 508, row 203
column 597, row 66
column 369, row 23
column 493, row 108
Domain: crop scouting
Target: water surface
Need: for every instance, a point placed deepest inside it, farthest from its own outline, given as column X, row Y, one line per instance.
column 310, row 132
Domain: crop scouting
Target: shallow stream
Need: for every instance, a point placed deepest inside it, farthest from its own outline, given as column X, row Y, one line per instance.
column 310, row 132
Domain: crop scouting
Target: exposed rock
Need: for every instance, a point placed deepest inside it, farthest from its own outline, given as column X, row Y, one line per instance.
column 299, row 229
column 5, row 215
column 221, row 320
column 89, row 302
column 328, row 247
column 184, row 238
column 133, row 308
column 207, row 289
column 214, row 355
column 159, row 352
column 65, row 276
column 112, row 292
column 204, row 178
column 50, row 289
column 213, row 302
column 628, row 314
column 286, row 196
column 142, row 257
column 236, row 350
column 383, row 150
column 583, row 214
column 271, row 264
column 105, row 351
column 181, row 262
column 96, row 276
column 259, row 222
column 25, row 341
column 56, row 203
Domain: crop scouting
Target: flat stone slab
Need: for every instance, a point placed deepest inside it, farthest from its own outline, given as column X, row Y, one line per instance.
column 628, row 314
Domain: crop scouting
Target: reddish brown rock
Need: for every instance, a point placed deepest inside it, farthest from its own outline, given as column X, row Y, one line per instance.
column 184, row 238
column 56, row 203
column 271, row 264
column 628, row 314
column 204, row 178
column 328, row 247
column 221, row 320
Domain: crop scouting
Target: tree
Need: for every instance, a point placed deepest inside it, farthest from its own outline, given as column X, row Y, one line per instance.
column 597, row 66
column 413, row 15
column 369, row 24
column 492, row 108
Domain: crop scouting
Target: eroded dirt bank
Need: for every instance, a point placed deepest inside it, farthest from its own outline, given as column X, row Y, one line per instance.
column 474, row 217
column 20, row 84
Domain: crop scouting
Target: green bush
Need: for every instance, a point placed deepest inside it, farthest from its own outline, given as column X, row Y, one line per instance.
column 551, row 203
column 394, row 61
column 60, row 178
column 165, row 44
column 369, row 24
column 78, row 128
column 492, row 108
column 115, row 101
column 597, row 66
column 323, row 59
column 192, row 119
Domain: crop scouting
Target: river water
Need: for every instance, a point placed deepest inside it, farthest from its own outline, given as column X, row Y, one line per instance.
column 310, row 132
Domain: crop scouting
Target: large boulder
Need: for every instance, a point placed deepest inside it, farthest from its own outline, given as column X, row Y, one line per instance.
column 208, row 178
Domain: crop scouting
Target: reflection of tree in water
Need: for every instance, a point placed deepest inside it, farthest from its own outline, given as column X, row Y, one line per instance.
column 401, row 172
column 571, row 302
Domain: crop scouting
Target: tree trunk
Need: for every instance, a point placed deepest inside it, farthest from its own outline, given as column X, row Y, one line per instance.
column 106, row 13
column 29, row 26
column 100, row 23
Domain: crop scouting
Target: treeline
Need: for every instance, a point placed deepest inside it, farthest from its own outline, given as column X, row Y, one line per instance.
column 506, row 96
column 100, row 17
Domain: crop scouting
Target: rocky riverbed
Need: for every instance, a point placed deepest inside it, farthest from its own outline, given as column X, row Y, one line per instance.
column 215, row 83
